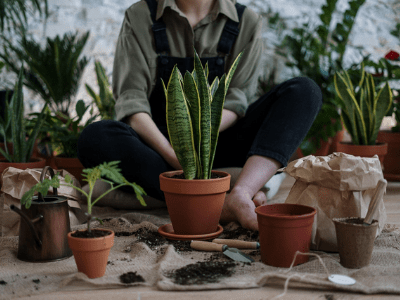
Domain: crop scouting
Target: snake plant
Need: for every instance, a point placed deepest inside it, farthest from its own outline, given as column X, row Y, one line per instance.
column 363, row 107
column 194, row 112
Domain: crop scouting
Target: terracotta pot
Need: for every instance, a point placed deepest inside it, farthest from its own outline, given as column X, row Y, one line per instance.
column 34, row 163
column 91, row 254
column 72, row 165
column 364, row 150
column 194, row 206
column 336, row 140
column 322, row 151
column 355, row 241
column 284, row 229
column 391, row 164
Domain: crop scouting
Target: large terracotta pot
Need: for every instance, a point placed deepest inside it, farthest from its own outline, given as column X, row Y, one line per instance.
column 391, row 164
column 284, row 229
column 194, row 206
column 379, row 149
column 34, row 163
column 91, row 254
column 72, row 165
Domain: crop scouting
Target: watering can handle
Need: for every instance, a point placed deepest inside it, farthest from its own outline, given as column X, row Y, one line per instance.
column 42, row 176
column 373, row 205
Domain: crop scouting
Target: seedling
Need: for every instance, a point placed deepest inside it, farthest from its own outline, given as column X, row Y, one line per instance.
column 90, row 175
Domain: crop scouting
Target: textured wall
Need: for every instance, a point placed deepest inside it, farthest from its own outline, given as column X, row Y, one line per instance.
column 104, row 17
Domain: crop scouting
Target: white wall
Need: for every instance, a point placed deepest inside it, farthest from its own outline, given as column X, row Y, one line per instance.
column 104, row 17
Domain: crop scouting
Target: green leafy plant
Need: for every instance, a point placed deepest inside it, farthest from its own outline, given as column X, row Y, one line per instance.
column 317, row 52
column 14, row 121
column 14, row 13
column 194, row 111
column 363, row 107
column 64, row 131
column 53, row 72
column 104, row 101
column 108, row 170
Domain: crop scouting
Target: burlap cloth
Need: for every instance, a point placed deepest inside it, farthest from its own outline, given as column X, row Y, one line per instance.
column 155, row 263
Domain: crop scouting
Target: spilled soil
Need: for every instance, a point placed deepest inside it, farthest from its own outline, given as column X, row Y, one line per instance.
column 131, row 277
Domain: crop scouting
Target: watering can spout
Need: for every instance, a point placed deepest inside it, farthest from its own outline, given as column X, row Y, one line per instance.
column 29, row 223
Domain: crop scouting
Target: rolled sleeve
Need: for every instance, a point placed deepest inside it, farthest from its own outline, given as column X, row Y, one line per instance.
column 243, row 87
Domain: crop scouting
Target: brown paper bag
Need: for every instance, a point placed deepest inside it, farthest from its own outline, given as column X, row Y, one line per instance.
column 338, row 186
column 16, row 182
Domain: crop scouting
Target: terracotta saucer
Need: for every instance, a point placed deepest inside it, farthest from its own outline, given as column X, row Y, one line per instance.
column 168, row 231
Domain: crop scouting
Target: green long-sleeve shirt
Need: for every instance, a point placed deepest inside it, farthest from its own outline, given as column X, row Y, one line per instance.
column 135, row 62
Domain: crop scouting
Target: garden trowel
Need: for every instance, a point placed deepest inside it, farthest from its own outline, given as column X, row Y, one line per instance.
column 232, row 253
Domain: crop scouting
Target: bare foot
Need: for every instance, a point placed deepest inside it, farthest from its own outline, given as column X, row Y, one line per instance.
column 238, row 206
column 260, row 198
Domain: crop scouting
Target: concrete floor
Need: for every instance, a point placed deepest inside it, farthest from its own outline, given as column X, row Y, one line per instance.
column 392, row 202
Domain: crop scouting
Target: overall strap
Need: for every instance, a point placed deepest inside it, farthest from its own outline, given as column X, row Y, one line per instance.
column 159, row 29
column 230, row 32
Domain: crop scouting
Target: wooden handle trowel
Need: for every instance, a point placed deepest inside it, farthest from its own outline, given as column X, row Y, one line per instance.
column 232, row 253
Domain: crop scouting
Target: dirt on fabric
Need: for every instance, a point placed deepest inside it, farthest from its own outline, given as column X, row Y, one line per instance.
column 94, row 233
column 240, row 233
column 131, row 277
column 202, row 272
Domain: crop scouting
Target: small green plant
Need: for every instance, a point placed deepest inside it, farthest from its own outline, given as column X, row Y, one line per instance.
column 108, row 170
column 14, row 121
column 104, row 101
column 363, row 108
column 194, row 111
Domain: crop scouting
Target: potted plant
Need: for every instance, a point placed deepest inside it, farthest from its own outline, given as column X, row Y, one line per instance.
column 195, row 196
column 90, row 247
column 14, row 122
column 387, row 70
column 64, row 132
column 363, row 109
column 317, row 51
column 104, row 100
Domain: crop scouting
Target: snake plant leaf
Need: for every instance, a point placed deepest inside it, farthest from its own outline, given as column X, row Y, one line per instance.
column 214, row 87
column 205, row 123
column 232, row 71
column 382, row 103
column 193, row 99
column 180, row 126
column 361, row 129
column 342, row 88
column 217, row 106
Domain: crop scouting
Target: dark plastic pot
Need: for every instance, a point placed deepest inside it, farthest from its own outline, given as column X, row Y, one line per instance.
column 284, row 229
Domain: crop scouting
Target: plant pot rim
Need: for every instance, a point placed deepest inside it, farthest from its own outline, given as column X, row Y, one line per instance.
column 32, row 160
column 37, row 201
column 350, row 144
column 90, row 238
column 168, row 176
column 259, row 209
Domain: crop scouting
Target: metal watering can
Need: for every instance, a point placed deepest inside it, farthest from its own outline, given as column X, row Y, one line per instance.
column 43, row 231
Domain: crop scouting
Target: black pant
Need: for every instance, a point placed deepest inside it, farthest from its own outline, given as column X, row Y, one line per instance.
column 274, row 126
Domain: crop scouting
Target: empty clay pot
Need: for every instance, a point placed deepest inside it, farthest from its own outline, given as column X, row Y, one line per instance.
column 284, row 229
column 355, row 241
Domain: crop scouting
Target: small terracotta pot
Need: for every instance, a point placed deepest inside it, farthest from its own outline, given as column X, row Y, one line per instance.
column 284, row 229
column 72, row 165
column 355, row 241
column 364, row 150
column 391, row 164
column 194, row 206
column 34, row 163
column 91, row 254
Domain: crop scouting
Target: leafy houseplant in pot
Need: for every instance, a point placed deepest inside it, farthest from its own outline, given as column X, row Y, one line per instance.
column 64, row 133
column 363, row 109
column 194, row 109
column 21, row 155
column 90, row 247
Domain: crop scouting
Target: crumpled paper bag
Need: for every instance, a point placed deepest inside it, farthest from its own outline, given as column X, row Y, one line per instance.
column 16, row 182
column 337, row 186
